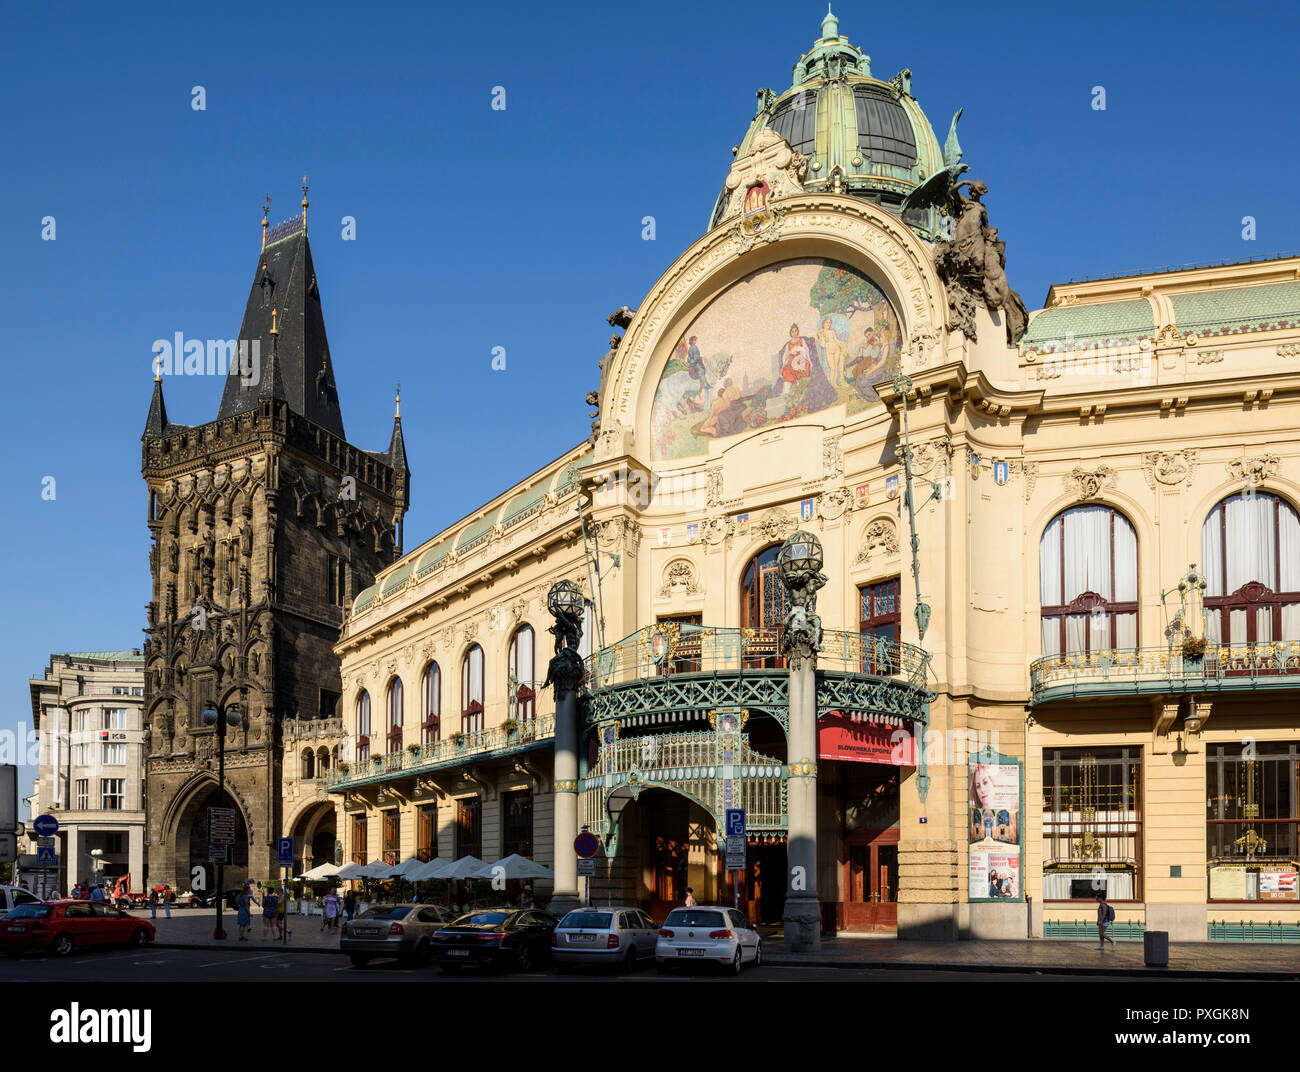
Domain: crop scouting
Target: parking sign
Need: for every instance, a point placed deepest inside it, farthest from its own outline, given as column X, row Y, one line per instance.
column 735, row 822
column 284, row 851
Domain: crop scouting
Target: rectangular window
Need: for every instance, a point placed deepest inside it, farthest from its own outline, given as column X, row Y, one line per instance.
column 112, row 755
column 114, row 843
column 1092, row 820
column 112, row 793
column 392, row 836
column 81, row 754
column 80, row 721
column 114, row 718
column 359, row 839
column 335, row 578
column 517, row 823
column 83, row 794
column 1251, row 817
column 684, row 646
column 469, row 827
column 879, row 621
column 427, row 830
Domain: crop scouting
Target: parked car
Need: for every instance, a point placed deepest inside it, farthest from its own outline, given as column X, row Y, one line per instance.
column 499, row 937
column 198, row 899
column 617, row 936
column 64, row 925
column 708, row 933
column 393, row 930
column 12, row 896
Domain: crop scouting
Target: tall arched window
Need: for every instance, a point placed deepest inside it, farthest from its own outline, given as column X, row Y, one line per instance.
column 521, row 667
column 471, row 691
column 763, row 607
column 363, row 727
column 395, row 715
column 1087, row 576
column 431, row 698
column 308, row 763
column 1250, row 547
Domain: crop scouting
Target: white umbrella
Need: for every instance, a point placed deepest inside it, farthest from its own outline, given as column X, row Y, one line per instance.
column 351, row 871
column 377, row 869
column 435, row 868
column 463, row 868
column 404, row 869
column 514, row 866
column 319, row 872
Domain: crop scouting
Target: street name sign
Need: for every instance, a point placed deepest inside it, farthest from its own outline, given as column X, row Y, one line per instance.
column 221, row 825
column 735, row 852
column 587, row 867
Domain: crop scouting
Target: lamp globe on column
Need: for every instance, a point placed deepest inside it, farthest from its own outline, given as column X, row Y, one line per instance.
column 565, row 600
column 800, row 556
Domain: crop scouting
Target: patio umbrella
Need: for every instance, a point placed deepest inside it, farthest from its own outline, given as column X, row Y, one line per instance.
column 463, row 868
column 435, row 868
column 318, row 872
column 514, row 866
column 406, row 868
column 377, row 869
column 350, row 871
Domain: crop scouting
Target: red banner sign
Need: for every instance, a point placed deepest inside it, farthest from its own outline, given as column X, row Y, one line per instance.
column 841, row 737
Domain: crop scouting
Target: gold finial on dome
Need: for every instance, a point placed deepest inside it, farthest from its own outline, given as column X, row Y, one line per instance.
column 304, row 202
column 398, row 400
column 274, row 329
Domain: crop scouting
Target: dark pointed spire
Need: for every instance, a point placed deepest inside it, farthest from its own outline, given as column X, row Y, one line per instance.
column 397, row 445
column 156, row 425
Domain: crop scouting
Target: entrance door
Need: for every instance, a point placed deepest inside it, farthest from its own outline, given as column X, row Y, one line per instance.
column 871, row 881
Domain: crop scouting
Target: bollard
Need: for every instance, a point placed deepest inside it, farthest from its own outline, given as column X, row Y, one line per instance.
column 1155, row 949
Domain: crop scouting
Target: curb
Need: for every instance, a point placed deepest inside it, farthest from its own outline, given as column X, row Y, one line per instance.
column 234, row 946
column 778, row 960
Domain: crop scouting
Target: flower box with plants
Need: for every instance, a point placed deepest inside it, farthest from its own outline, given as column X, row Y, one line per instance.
column 1193, row 647
column 413, row 749
column 458, row 739
column 512, row 727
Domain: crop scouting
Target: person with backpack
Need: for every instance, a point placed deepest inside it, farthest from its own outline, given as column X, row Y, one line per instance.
column 1105, row 917
column 153, row 903
column 169, row 895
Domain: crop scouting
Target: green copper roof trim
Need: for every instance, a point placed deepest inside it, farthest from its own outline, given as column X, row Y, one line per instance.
column 433, row 558
column 476, row 533
column 526, row 503
column 104, row 656
column 1236, row 310
column 365, row 599
column 1118, row 322
column 398, row 577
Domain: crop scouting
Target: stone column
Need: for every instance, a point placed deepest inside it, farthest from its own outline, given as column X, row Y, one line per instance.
column 800, row 561
column 135, row 856
column 565, row 673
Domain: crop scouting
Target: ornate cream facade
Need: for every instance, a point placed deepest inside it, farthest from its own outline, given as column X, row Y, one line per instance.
column 1144, row 401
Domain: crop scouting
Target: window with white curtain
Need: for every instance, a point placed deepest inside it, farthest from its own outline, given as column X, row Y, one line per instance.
column 395, row 715
column 520, row 666
column 1250, row 545
column 471, row 691
column 363, row 727
column 432, row 689
column 1087, row 575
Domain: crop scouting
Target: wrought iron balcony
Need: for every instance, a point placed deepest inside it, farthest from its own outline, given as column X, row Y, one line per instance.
column 673, row 668
column 451, row 752
column 1132, row 671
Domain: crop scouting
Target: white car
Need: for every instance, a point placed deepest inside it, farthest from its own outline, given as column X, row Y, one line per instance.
column 709, row 933
column 617, row 936
column 12, row 896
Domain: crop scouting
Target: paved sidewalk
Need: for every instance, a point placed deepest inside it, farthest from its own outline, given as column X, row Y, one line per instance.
column 192, row 928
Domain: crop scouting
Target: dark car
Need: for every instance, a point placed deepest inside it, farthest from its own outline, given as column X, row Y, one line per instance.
column 499, row 937
column 393, row 930
column 209, row 900
column 62, row 926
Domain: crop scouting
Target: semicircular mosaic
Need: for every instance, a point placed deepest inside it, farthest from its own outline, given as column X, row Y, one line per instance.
column 791, row 339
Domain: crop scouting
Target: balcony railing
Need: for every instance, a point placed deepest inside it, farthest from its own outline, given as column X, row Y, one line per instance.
column 1266, row 664
column 671, row 648
column 445, row 753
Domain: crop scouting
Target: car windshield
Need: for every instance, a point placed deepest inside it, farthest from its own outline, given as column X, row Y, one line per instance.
column 30, row 911
column 693, row 917
column 586, row 919
column 483, row 919
column 386, row 911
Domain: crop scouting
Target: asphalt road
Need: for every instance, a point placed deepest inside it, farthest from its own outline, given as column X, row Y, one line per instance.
column 205, row 965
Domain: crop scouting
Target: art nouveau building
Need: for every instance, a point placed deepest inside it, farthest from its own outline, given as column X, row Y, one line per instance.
column 1088, row 495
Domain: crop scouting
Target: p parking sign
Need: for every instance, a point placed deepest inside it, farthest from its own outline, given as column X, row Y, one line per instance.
column 284, row 851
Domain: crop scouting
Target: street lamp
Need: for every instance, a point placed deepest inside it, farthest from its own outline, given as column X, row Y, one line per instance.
column 221, row 718
column 97, row 864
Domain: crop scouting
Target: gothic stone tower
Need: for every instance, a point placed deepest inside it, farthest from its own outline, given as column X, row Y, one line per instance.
column 265, row 523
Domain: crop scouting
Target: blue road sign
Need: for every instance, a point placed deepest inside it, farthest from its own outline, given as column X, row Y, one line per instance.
column 284, row 851
column 45, row 825
column 45, row 852
column 735, row 822
column 586, row 845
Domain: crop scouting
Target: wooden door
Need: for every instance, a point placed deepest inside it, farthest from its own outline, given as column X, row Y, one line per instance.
column 871, row 882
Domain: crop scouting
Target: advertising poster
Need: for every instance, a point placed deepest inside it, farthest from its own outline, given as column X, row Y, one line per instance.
column 839, row 737
column 994, row 831
column 1277, row 884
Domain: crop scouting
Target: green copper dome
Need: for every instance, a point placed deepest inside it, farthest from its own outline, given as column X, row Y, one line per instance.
column 867, row 136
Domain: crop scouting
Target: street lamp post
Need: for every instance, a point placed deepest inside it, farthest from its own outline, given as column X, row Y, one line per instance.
column 565, row 673
column 220, row 718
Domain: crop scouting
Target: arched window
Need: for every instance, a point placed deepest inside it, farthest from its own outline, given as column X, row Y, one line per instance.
column 363, row 727
column 521, row 667
column 471, row 691
column 395, row 715
column 431, row 688
column 308, row 763
column 1250, row 548
column 322, row 761
column 1087, row 577
column 762, row 608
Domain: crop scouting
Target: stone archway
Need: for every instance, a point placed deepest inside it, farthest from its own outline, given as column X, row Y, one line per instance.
column 667, row 842
column 187, row 832
column 314, row 831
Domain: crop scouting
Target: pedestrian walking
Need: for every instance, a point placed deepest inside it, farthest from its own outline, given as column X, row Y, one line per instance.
column 282, row 910
column 169, row 895
column 245, row 906
column 1105, row 917
column 350, row 905
column 330, row 911
column 97, row 894
column 270, row 910
column 153, row 904
column 690, row 897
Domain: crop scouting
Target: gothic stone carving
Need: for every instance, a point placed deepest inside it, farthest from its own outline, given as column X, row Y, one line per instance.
column 1172, row 469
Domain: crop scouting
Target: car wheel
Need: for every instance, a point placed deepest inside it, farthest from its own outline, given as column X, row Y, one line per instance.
column 758, row 955
column 629, row 961
column 139, row 937
column 524, row 958
column 62, row 945
column 358, row 960
column 736, row 962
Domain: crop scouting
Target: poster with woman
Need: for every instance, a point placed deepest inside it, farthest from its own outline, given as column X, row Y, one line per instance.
column 994, row 829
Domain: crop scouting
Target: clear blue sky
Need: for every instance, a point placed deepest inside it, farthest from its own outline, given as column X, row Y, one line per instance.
column 519, row 228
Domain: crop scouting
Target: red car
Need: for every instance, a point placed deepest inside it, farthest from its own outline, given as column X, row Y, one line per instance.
column 62, row 926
